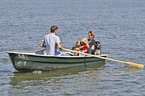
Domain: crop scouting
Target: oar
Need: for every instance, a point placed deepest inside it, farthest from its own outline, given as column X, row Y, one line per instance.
column 128, row 63
column 39, row 50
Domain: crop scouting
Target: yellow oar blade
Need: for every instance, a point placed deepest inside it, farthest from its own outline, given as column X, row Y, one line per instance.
column 128, row 63
column 134, row 64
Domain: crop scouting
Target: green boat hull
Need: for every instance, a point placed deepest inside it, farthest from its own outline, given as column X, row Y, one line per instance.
column 32, row 61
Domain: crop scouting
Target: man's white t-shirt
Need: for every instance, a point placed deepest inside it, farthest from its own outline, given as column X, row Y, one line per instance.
column 51, row 41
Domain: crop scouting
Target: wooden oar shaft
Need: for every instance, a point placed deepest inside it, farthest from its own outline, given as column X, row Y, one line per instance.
column 39, row 50
column 128, row 63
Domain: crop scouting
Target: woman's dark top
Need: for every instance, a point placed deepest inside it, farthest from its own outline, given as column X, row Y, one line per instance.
column 90, row 51
column 92, row 43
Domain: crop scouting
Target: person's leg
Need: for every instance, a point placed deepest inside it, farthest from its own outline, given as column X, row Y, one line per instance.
column 89, row 50
column 98, row 52
column 57, row 53
column 76, row 54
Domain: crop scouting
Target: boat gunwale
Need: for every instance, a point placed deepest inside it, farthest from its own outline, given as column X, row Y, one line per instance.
column 34, row 54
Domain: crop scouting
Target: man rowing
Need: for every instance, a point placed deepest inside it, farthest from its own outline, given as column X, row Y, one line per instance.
column 52, row 42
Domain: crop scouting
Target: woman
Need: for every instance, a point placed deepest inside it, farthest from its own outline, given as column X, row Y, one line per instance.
column 95, row 46
column 91, row 40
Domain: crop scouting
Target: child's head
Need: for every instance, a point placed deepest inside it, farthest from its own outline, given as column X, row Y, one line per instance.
column 78, row 44
column 97, row 45
column 85, row 41
column 97, row 42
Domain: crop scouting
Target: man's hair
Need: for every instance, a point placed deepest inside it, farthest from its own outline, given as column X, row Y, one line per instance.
column 53, row 28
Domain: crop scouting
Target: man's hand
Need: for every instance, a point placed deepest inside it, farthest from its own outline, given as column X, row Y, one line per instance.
column 59, row 46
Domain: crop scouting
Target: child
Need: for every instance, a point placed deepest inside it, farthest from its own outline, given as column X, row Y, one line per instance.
column 77, row 45
column 85, row 45
column 98, row 48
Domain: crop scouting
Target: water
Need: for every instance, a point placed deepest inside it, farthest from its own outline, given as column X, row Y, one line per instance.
column 118, row 24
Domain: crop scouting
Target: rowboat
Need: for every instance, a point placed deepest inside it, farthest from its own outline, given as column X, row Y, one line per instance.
column 32, row 61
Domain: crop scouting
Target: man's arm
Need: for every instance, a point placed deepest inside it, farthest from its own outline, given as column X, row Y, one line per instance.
column 42, row 45
column 59, row 46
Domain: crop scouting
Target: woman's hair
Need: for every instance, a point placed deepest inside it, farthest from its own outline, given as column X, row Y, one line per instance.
column 85, row 41
column 53, row 28
column 92, row 34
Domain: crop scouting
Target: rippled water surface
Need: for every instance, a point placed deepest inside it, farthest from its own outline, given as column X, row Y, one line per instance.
column 118, row 24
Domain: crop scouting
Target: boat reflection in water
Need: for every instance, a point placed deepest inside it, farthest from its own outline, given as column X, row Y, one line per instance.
column 21, row 80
